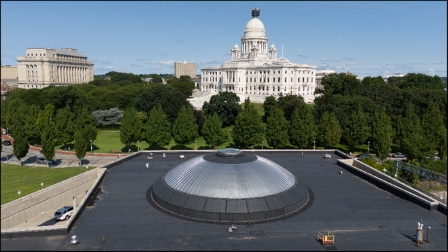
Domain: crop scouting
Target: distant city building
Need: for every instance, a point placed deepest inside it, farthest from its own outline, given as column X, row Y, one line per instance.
column 43, row 67
column 9, row 79
column 254, row 71
column 185, row 68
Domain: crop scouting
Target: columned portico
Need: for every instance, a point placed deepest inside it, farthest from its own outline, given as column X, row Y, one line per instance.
column 43, row 67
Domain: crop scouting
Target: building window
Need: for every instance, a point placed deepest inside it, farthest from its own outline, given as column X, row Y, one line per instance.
column 278, row 79
column 285, row 80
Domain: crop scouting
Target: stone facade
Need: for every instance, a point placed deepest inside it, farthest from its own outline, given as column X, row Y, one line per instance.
column 185, row 68
column 255, row 72
column 9, row 79
column 43, row 67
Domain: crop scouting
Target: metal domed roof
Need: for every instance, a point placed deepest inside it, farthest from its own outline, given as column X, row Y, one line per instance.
column 230, row 176
column 229, row 185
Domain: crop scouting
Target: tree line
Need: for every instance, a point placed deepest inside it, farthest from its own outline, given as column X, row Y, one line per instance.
column 407, row 112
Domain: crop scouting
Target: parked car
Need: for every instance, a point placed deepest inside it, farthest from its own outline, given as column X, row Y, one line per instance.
column 43, row 160
column 398, row 155
column 327, row 156
column 64, row 213
column 6, row 143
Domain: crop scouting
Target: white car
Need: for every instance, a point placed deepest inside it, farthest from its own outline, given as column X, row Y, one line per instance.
column 64, row 213
column 327, row 156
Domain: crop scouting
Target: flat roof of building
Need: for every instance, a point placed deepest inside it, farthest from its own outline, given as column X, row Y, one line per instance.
column 360, row 215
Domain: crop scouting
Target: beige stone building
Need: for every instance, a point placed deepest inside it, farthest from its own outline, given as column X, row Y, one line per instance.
column 9, row 79
column 43, row 67
column 185, row 68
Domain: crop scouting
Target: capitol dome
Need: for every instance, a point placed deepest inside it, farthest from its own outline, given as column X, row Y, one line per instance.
column 255, row 28
column 229, row 185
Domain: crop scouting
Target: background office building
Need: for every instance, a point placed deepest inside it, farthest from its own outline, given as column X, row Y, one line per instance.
column 255, row 72
column 43, row 67
column 9, row 79
column 185, row 68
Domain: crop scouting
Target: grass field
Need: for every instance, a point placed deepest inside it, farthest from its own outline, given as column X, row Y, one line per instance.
column 27, row 179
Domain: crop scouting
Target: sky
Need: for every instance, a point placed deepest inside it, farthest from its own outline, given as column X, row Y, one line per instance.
column 143, row 37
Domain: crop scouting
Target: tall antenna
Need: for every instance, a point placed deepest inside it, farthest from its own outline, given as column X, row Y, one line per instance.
column 282, row 49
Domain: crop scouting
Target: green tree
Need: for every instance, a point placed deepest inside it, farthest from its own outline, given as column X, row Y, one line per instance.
column 150, row 98
column 200, row 119
column 212, row 131
column 184, row 85
column 382, row 134
column 302, row 129
column 65, row 126
column 157, row 128
column 85, row 132
column 407, row 125
column 226, row 105
column 248, row 128
column 269, row 103
column 21, row 145
column 357, row 130
column 16, row 123
column 185, row 129
column 48, row 140
column 111, row 116
column 172, row 102
column 47, row 129
column 131, row 127
column 31, row 128
column 289, row 103
column 434, row 129
column 44, row 117
column 277, row 128
column 329, row 130
column 156, row 78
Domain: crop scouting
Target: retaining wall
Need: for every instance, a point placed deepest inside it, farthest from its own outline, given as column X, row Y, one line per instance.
column 75, row 190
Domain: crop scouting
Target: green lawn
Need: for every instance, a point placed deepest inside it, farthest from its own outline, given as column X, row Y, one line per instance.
column 27, row 179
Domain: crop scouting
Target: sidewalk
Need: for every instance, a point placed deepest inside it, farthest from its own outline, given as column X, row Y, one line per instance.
column 62, row 158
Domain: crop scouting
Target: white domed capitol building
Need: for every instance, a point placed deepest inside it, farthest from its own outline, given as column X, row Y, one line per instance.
column 255, row 72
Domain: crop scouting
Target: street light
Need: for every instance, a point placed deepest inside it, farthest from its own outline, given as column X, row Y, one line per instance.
column 138, row 146
column 19, row 193
column 91, row 148
column 41, row 185
column 195, row 146
column 314, row 144
column 368, row 146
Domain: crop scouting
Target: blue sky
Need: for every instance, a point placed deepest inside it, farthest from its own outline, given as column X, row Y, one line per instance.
column 365, row 38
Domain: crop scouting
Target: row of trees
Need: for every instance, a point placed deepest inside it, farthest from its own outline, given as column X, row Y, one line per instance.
column 29, row 124
column 409, row 113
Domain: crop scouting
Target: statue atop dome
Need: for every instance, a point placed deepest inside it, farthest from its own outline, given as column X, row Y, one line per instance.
column 255, row 12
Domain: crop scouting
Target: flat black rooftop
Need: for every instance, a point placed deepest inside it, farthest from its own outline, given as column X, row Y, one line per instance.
column 361, row 216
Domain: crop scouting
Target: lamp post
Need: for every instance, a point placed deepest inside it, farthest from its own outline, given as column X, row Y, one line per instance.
column 262, row 144
column 314, row 144
column 19, row 192
column 41, row 185
column 138, row 146
column 195, row 145
column 91, row 148
column 87, row 168
column 368, row 146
